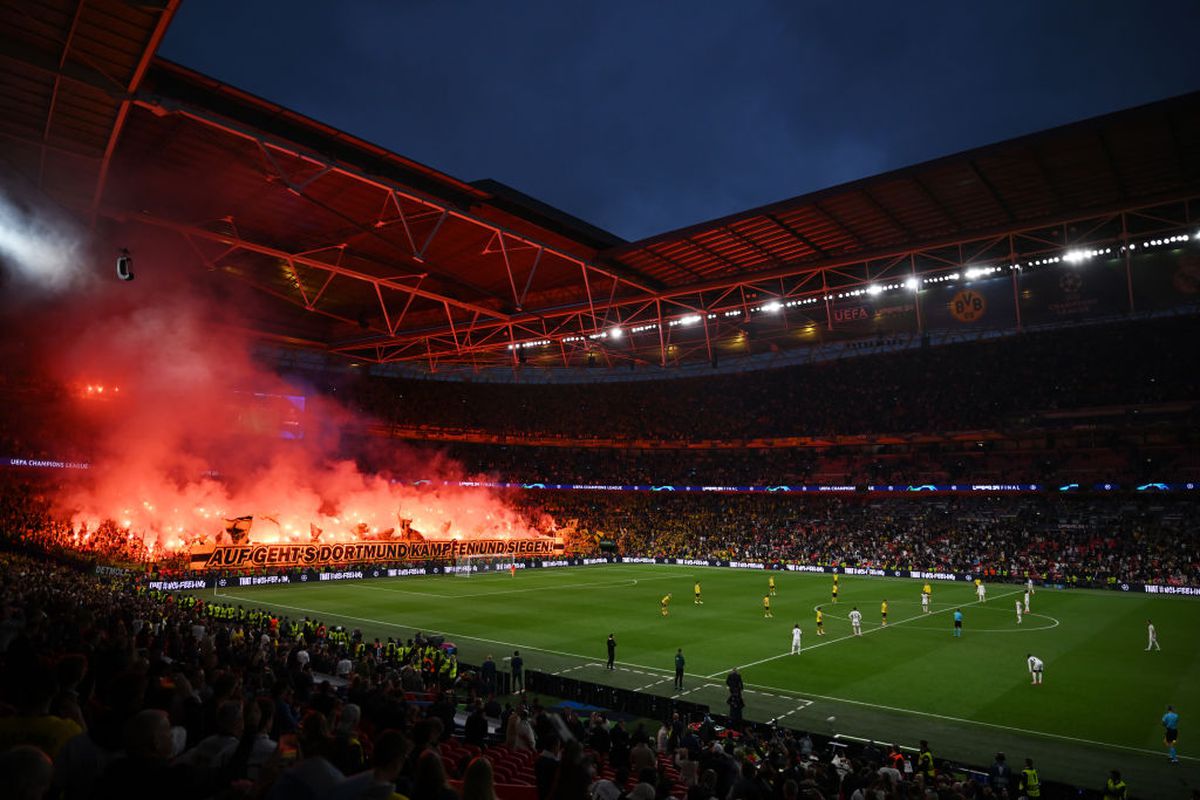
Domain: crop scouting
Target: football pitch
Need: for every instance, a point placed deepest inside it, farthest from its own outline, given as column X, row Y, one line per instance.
column 1099, row 707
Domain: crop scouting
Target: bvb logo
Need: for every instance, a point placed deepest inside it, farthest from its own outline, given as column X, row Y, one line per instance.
column 968, row 306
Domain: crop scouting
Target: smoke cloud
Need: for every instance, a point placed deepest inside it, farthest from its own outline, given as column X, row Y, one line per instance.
column 184, row 429
column 41, row 250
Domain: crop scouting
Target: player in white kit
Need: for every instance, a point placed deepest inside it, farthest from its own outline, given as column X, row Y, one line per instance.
column 796, row 634
column 1018, row 612
column 856, row 621
column 1152, row 636
column 980, row 591
column 1026, row 601
column 1035, row 669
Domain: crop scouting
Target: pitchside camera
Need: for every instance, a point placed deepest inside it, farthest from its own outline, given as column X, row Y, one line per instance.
column 125, row 265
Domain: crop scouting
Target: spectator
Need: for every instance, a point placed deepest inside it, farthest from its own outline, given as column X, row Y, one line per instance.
column 478, row 782
column 430, row 782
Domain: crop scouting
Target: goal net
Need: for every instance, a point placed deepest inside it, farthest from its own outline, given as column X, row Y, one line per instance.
column 464, row 566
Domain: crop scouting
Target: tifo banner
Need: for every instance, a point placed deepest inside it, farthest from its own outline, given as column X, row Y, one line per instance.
column 319, row 555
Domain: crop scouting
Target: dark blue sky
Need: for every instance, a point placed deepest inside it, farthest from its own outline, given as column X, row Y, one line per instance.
column 641, row 117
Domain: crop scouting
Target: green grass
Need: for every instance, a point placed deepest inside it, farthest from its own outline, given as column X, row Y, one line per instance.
column 1098, row 709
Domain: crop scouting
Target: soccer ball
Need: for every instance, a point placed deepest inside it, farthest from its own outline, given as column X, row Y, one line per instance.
column 831, row 720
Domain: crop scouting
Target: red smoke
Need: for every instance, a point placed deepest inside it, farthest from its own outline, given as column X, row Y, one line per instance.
column 173, row 453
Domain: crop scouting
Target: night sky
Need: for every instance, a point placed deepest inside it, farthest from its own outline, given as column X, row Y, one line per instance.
column 642, row 117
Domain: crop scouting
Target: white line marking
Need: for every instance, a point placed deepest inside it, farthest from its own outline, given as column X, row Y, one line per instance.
column 786, row 692
column 1157, row 753
column 864, row 633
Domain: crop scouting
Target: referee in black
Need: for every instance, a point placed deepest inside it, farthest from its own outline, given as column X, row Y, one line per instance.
column 612, row 651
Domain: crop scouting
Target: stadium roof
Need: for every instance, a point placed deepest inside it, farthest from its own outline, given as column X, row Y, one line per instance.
column 364, row 253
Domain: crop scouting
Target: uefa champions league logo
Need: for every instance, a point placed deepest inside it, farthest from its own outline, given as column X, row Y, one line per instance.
column 1070, row 283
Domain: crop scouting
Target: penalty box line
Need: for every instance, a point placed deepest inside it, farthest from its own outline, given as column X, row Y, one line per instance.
column 866, row 632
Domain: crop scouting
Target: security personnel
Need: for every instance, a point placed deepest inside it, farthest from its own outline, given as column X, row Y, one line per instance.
column 1115, row 788
column 1031, row 784
column 925, row 762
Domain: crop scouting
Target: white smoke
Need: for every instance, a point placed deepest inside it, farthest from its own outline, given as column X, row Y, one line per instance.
column 41, row 249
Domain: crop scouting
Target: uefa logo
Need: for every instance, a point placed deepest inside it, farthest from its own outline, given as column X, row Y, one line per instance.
column 1070, row 282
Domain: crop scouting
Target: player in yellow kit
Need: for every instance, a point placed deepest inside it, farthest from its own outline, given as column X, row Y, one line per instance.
column 835, row 588
column 666, row 602
column 696, row 589
column 883, row 612
column 771, row 585
column 767, row 606
column 820, row 622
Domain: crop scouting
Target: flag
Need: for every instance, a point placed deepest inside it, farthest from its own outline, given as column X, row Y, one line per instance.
column 314, row 532
column 407, row 531
column 238, row 529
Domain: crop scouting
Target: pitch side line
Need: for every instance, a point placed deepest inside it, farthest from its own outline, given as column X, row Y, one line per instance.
column 864, row 633
column 960, row 720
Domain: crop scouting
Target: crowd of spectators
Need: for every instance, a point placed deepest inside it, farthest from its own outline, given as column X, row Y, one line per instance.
column 1086, row 539
column 112, row 691
column 978, row 385
column 1070, row 539
column 30, row 526
column 958, row 462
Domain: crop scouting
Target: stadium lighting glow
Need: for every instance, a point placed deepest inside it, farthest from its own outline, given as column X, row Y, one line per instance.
column 973, row 273
column 690, row 319
column 772, row 306
column 616, row 333
column 874, row 289
column 912, row 284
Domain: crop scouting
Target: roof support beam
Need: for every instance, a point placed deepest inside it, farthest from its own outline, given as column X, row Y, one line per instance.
column 333, row 269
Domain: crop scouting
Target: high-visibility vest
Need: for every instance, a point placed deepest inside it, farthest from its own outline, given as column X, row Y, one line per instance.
column 1029, row 780
column 1115, row 790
